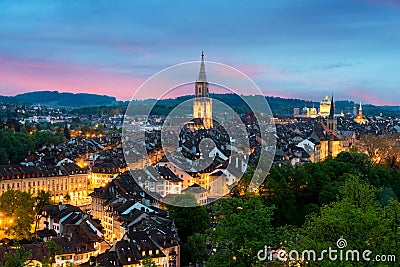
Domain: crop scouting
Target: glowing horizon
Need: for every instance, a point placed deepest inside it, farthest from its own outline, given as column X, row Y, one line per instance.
column 292, row 50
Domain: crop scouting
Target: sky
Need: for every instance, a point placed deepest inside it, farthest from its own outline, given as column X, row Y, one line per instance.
column 298, row 49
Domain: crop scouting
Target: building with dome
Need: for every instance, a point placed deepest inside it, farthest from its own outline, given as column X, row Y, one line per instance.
column 325, row 107
column 307, row 112
column 313, row 111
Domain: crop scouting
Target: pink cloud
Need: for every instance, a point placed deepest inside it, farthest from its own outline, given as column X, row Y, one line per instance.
column 21, row 75
column 363, row 95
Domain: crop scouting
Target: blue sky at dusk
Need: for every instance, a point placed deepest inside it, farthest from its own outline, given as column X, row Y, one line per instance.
column 303, row 49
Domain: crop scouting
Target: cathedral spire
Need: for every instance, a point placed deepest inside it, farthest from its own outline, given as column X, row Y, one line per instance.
column 202, row 73
column 332, row 110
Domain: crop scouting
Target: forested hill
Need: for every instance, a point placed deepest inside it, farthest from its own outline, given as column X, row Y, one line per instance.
column 57, row 99
column 278, row 105
column 102, row 103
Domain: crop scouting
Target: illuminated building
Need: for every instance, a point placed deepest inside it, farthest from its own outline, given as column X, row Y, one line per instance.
column 313, row 111
column 103, row 172
column 307, row 112
column 360, row 118
column 202, row 105
column 325, row 107
column 59, row 181
column 328, row 142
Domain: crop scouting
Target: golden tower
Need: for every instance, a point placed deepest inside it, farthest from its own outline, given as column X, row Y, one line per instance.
column 360, row 118
column 325, row 107
column 202, row 104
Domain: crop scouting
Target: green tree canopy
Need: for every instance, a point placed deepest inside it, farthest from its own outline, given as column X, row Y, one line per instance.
column 357, row 217
column 42, row 199
column 188, row 220
column 19, row 207
column 243, row 228
column 18, row 257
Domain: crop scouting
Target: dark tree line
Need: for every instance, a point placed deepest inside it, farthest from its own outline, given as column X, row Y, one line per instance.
column 16, row 145
column 300, row 207
column 297, row 191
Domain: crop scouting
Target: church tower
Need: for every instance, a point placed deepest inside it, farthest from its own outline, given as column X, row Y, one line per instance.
column 360, row 118
column 331, row 120
column 202, row 105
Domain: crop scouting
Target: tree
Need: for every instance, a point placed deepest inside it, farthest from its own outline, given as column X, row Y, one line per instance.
column 379, row 148
column 67, row 132
column 16, row 144
column 17, row 258
column 41, row 200
column 194, row 250
column 3, row 156
column 13, row 124
column 358, row 218
column 386, row 195
column 391, row 218
column 67, row 196
column 19, row 206
column 148, row 263
column 241, row 189
column 46, row 138
column 21, row 225
column 12, row 199
column 243, row 228
column 53, row 249
column 188, row 220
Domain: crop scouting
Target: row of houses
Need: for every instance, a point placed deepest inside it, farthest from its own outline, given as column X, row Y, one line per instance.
column 61, row 180
column 134, row 225
column 77, row 235
column 124, row 219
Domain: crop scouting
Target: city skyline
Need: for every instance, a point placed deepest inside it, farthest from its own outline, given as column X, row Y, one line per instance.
column 304, row 49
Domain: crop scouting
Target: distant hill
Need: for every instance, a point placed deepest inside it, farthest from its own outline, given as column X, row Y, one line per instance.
column 103, row 104
column 57, row 99
column 280, row 106
column 6, row 99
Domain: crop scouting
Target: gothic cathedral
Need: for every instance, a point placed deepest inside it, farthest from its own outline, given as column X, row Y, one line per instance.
column 202, row 105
